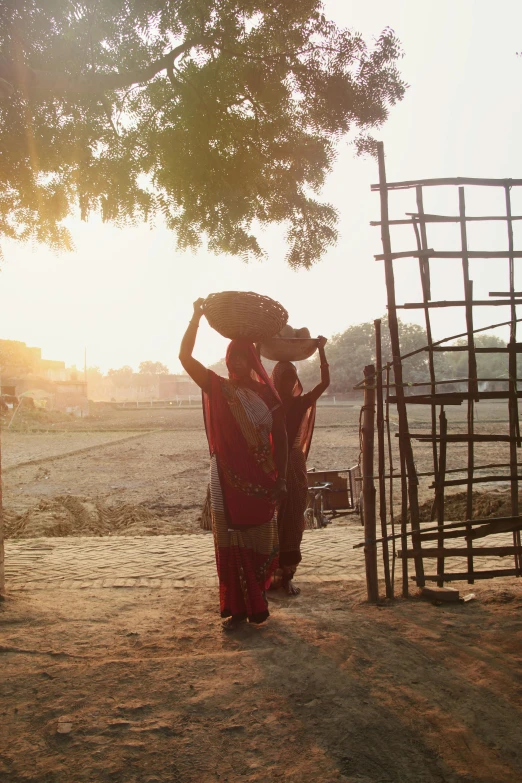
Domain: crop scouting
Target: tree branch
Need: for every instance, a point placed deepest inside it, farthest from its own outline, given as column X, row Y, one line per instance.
column 32, row 81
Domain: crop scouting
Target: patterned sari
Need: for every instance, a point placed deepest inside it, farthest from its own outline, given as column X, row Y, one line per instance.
column 299, row 412
column 238, row 422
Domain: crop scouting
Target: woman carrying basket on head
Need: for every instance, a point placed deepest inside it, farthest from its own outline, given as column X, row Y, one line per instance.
column 299, row 410
column 248, row 452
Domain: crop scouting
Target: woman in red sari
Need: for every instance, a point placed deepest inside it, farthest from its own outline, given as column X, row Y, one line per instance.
column 299, row 410
column 248, row 452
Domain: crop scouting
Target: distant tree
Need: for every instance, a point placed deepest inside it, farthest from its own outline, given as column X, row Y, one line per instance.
column 489, row 365
column 123, row 376
column 349, row 352
column 153, row 368
column 221, row 116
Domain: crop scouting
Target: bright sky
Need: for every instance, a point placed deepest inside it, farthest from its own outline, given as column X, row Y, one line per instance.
column 126, row 295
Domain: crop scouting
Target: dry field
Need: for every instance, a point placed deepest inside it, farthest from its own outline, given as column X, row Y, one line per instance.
column 141, row 472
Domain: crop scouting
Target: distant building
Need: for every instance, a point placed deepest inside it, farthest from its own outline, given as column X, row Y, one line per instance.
column 177, row 387
column 25, row 374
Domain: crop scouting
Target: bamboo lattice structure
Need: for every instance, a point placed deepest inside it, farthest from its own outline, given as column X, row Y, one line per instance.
column 413, row 535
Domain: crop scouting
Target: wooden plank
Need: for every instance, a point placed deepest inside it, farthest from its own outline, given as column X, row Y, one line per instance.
column 453, row 398
column 430, row 253
column 479, row 181
column 495, row 526
column 458, row 303
column 443, row 594
column 508, row 293
column 462, row 575
column 431, row 533
column 442, row 219
column 475, row 480
column 479, row 349
column 478, row 551
column 459, row 438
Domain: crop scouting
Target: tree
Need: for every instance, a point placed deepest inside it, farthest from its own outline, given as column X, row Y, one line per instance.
column 220, row 115
column 349, row 352
column 153, row 368
column 123, row 376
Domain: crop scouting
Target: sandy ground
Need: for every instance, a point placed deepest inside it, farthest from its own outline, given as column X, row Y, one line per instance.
column 142, row 686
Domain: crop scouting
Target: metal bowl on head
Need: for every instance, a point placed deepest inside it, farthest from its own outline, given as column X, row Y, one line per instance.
column 288, row 349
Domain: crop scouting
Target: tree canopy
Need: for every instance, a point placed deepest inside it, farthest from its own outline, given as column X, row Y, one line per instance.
column 220, row 115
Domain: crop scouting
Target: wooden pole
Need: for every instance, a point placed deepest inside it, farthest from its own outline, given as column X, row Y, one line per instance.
column 424, row 267
column 368, row 485
column 382, row 464
column 472, row 367
column 440, row 490
column 390, row 468
column 2, row 567
column 514, row 425
column 404, row 443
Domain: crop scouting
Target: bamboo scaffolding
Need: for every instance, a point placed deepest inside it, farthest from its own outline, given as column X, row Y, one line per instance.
column 469, row 475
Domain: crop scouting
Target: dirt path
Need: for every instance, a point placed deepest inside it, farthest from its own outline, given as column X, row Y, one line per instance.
column 142, row 686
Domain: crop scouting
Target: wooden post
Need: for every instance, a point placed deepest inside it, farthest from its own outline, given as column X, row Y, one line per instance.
column 404, row 441
column 2, row 569
column 440, row 490
column 368, row 485
column 472, row 370
column 382, row 465
column 514, row 424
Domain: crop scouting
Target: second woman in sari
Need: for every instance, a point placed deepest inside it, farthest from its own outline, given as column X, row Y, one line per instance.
column 248, row 453
column 299, row 411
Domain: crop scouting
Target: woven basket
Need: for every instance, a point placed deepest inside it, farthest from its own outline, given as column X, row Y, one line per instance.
column 244, row 315
column 293, row 349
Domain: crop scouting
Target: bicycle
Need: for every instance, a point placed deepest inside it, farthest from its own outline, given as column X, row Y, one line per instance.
column 314, row 515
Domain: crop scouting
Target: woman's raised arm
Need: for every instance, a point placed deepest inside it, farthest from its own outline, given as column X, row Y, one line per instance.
column 325, row 372
column 195, row 369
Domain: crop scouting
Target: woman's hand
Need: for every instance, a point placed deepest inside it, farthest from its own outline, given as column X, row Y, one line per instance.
column 280, row 491
column 199, row 308
column 321, row 341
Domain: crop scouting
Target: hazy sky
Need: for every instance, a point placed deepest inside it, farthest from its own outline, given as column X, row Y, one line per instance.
column 126, row 294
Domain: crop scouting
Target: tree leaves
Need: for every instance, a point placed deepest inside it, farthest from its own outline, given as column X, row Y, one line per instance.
column 221, row 116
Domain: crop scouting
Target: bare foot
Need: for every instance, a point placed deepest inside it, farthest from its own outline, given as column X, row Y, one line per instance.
column 290, row 588
column 232, row 624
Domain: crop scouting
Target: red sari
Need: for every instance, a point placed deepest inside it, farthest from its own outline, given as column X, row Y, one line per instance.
column 238, row 422
column 299, row 412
